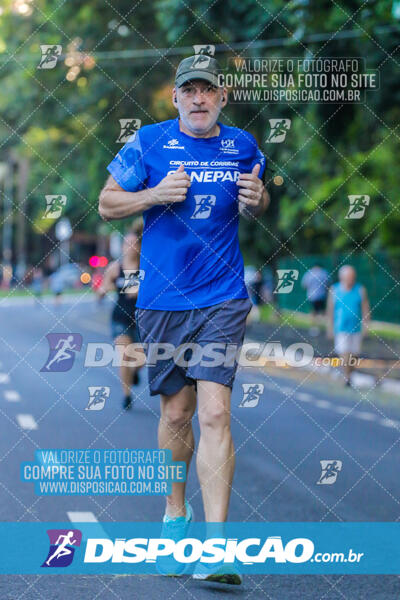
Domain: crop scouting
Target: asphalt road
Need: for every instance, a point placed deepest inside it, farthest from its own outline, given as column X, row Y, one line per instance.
column 279, row 444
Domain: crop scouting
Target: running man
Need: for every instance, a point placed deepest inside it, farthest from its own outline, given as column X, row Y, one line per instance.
column 62, row 549
column 64, row 349
column 193, row 289
column 348, row 317
column 118, row 277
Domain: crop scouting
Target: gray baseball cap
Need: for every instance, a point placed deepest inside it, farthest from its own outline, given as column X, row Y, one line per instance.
column 199, row 66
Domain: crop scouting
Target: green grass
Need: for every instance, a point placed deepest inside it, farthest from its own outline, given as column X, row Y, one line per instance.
column 21, row 293
column 391, row 331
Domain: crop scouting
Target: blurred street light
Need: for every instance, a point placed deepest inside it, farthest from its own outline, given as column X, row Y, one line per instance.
column 22, row 7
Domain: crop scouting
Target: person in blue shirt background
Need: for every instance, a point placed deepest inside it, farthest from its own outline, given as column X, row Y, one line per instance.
column 191, row 177
column 348, row 316
column 315, row 282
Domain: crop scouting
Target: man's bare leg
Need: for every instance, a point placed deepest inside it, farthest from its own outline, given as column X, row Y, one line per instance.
column 216, row 454
column 175, row 433
column 126, row 372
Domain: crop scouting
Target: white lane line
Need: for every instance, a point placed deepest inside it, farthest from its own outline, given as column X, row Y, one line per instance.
column 343, row 410
column 81, row 517
column 4, row 378
column 12, row 396
column 323, row 404
column 366, row 416
column 304, row 397
column 285, row 390
column 389, row 423
column 87, row 517
column 26, row 422
column 270, row 386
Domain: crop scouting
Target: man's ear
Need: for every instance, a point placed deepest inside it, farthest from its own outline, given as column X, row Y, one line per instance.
column 224, row 97
column 174, row 100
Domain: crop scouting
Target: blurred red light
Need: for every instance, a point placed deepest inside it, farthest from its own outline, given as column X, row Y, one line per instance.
column 94, row 261
column 103, row 261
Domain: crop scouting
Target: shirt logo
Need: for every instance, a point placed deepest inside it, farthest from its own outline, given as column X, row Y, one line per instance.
column 204, row 204
column 173, row 144
column 228, row 146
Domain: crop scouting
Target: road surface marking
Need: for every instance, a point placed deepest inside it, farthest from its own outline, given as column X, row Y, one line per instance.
column 343, row 410
column 4, row 378
column 12, row 396
column 304, row 397
column 26, row 422
column 285, row 390
column 270, row 386
column 389, row 423
column 360, row 414
column 323, row 404
column 87, row 517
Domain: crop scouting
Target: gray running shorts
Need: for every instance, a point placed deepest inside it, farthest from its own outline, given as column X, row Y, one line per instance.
column 203, row 328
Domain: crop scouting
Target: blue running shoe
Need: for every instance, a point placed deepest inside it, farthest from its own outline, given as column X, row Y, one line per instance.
column 174, row 529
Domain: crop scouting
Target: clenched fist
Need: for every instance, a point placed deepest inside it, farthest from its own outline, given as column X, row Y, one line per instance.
column 250, row 188
column 173, row 188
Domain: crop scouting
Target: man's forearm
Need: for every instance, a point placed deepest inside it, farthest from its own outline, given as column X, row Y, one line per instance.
column 114, row 204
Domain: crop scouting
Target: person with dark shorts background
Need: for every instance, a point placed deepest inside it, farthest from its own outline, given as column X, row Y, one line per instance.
column 191, row 177
column 316, row 283
column 123, row 323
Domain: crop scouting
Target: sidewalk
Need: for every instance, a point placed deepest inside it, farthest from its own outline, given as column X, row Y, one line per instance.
column 382, row 353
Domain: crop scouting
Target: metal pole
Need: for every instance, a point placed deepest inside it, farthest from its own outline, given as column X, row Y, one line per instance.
column 7, row 223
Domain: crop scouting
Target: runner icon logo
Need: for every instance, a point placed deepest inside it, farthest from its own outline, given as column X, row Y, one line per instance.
column 286, row 280
column 129, row 127
column 50, row 54
column 208, row 49
column 357, row 207
column 279, row 129
column 200, row 61
column 132, row 280
column 251, row 394
column 329, row 471
column 204, row 204
column 54, row 206
column 62, row 351
column 98, row 395
column 62, row 550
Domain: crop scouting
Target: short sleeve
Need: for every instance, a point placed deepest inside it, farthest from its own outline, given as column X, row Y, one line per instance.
column 259, row 158
column 128, row 167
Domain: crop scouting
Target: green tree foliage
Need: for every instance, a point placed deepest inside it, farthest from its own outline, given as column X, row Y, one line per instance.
column 66, row 119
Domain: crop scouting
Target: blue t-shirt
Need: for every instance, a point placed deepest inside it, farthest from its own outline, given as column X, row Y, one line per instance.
column 315, row 281
column 190, row 254
column 347, row 308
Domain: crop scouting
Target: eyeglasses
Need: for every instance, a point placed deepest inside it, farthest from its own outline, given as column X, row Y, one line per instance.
column 191, row 90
